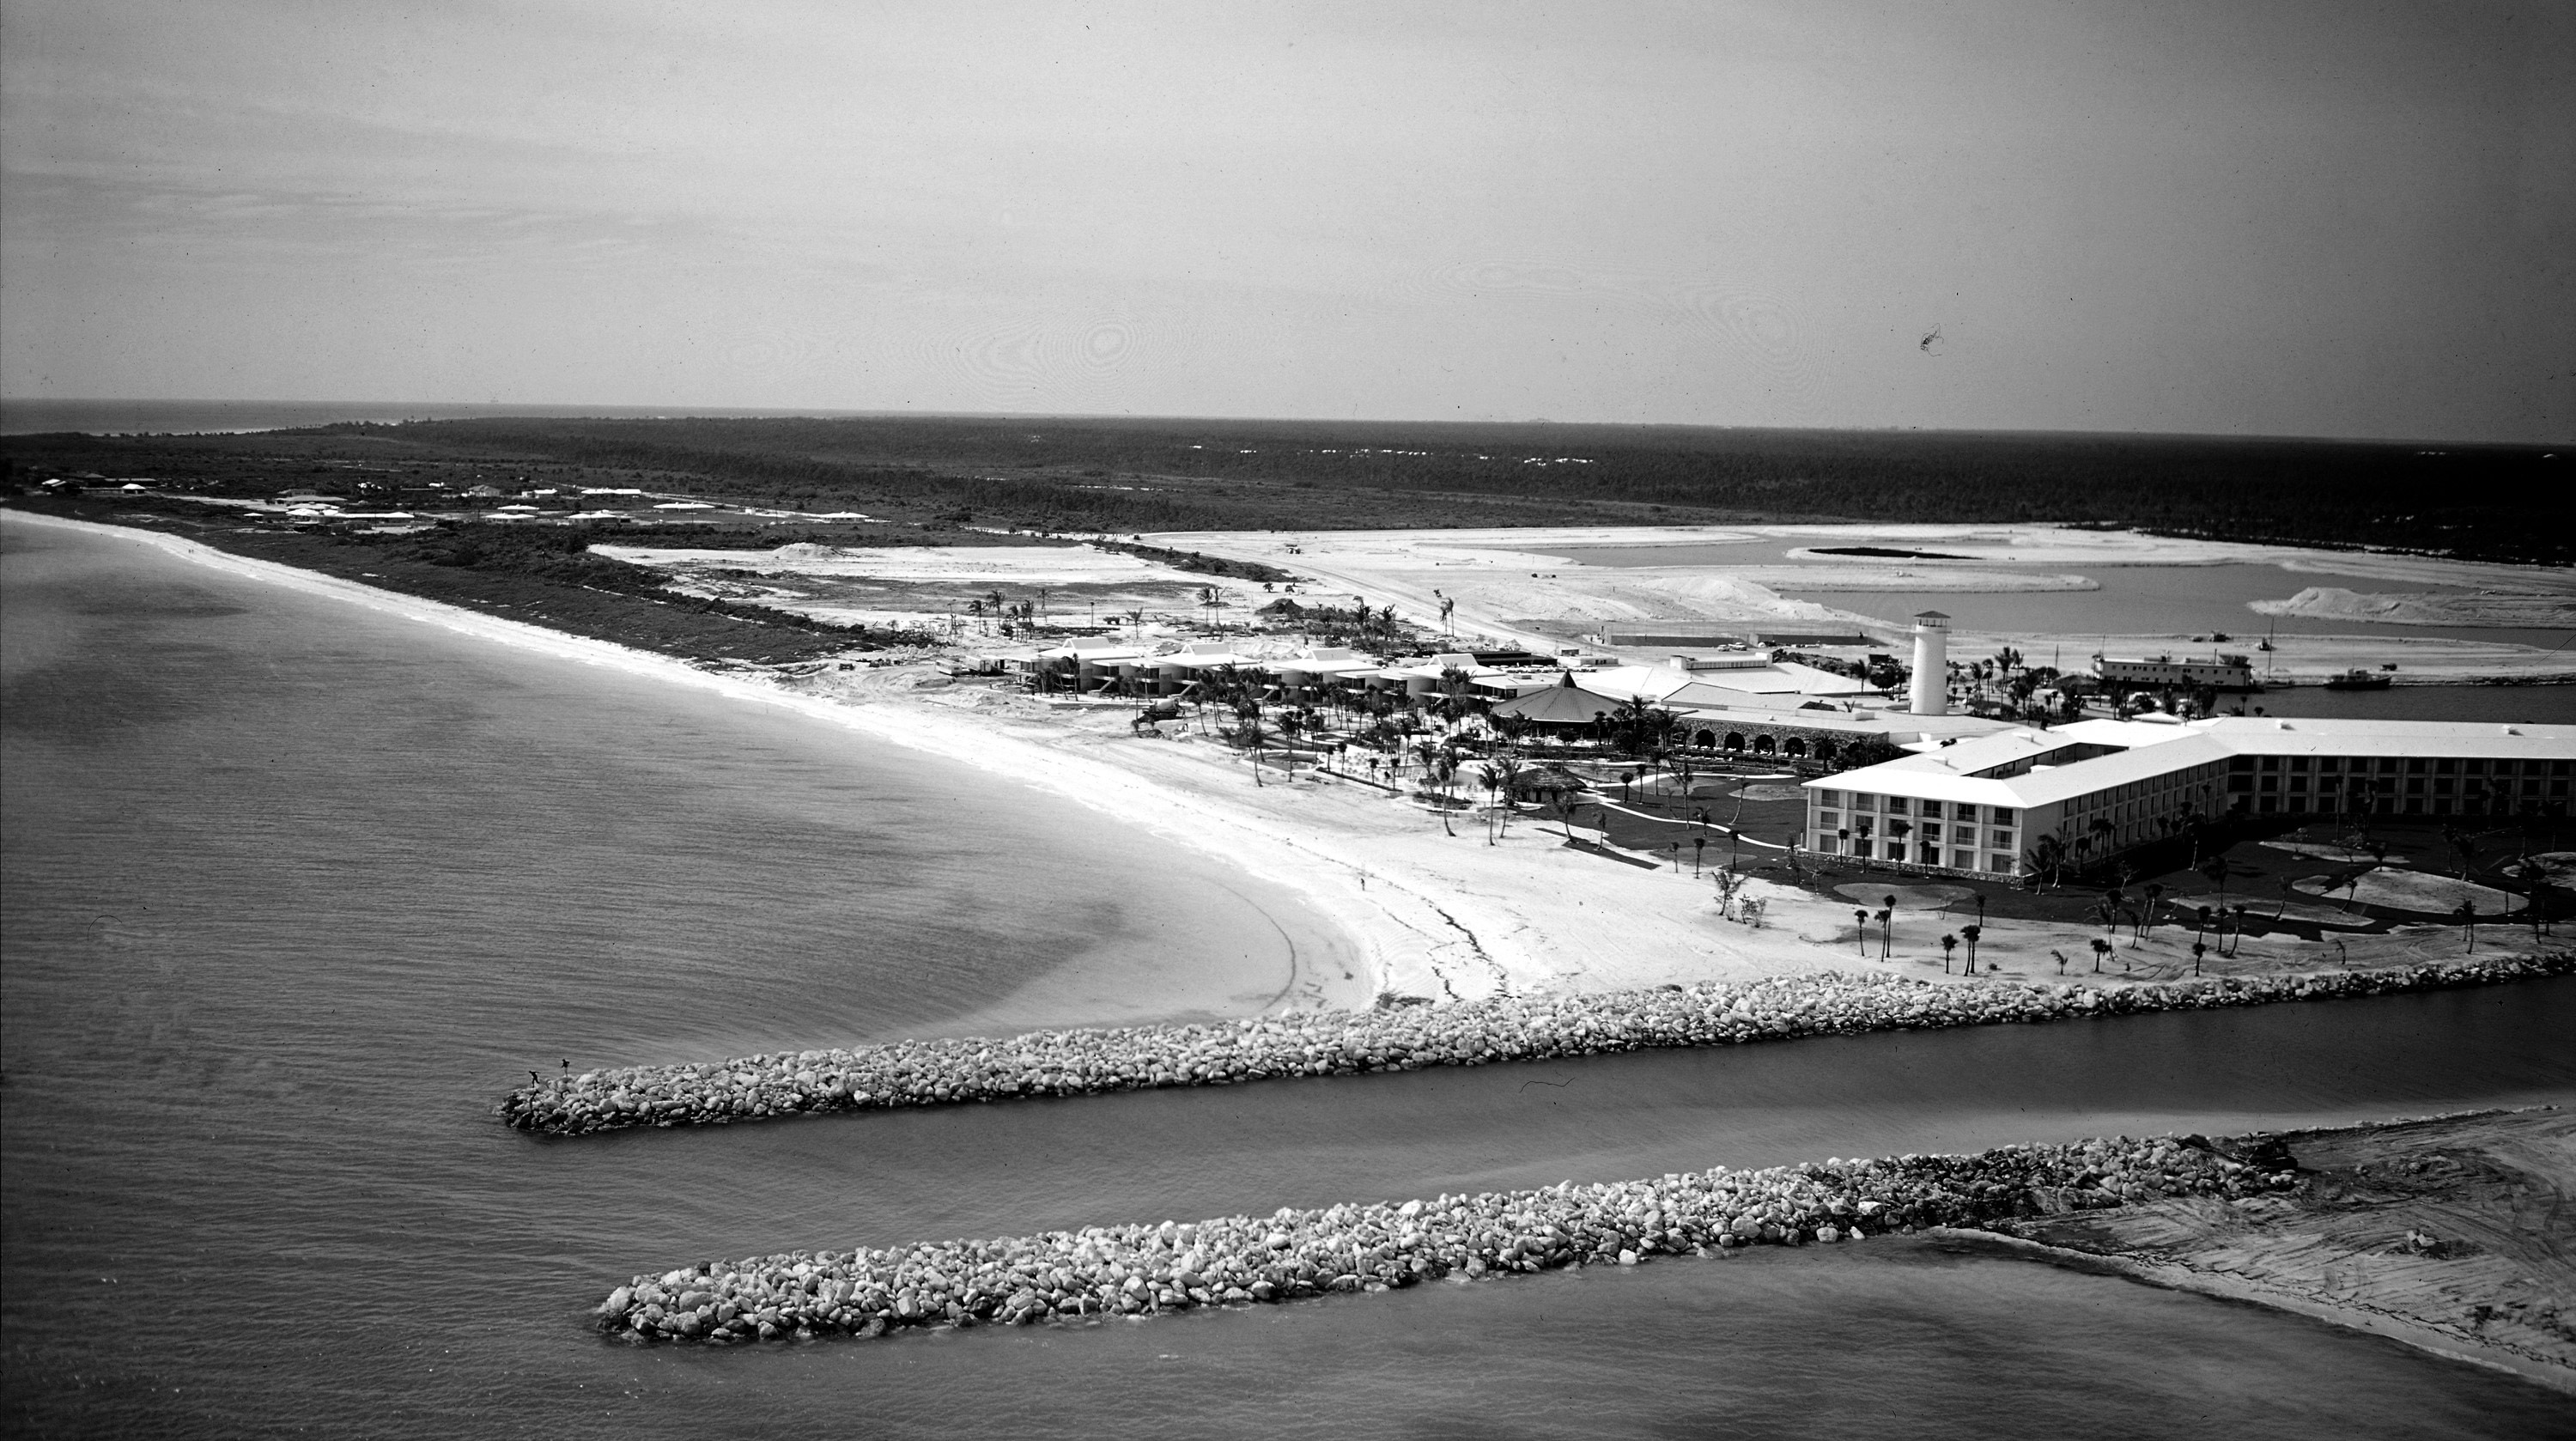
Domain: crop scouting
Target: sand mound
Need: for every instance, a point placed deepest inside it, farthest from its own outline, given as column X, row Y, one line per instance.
column 2418, row 892
column 1908, row 898
column 2346, row 854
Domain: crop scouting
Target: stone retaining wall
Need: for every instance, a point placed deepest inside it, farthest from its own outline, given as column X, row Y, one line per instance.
column 1400, row 1038
column 1242, row 1260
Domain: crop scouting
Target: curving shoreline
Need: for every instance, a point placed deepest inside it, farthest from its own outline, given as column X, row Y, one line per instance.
column 1401, row 1038
column 1245, row 1260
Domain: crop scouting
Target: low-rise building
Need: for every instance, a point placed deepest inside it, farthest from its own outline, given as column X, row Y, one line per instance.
column 2100, row 787
column 2219, row 672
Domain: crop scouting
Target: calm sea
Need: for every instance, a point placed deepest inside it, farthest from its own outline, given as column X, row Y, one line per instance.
column 292, row 890
column 198, row 417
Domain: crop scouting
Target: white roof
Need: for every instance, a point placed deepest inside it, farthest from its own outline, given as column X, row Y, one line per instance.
column 2152, row 749
column 2281, row 735
column 1659, row 682
column 1094, row 650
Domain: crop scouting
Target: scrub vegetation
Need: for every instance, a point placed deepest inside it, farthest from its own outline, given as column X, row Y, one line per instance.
column 2483, row 502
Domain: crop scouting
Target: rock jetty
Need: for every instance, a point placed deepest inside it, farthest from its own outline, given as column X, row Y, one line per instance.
column 1395, row 1038
column 1245, row 1260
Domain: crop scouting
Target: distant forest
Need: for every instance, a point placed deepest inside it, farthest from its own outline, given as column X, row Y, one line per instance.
column 2491, row 502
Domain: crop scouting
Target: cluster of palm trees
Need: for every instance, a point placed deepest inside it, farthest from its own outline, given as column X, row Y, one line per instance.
column 991, row 605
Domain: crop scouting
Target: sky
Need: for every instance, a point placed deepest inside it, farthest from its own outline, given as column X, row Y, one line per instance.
column 2247, row 217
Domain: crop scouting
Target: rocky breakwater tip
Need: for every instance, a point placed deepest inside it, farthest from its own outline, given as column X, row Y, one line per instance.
column 1246, row 1260
column 1394, row 1038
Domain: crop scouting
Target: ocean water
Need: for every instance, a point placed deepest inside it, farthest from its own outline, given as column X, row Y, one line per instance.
column 292, row 890
column 197, row 417
column 2504, row 704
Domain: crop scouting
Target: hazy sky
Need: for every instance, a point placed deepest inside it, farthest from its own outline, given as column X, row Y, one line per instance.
column 2332, row 219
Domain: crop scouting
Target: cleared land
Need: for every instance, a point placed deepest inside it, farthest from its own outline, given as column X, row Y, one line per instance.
column 1519, row 585
column 2454, row 1234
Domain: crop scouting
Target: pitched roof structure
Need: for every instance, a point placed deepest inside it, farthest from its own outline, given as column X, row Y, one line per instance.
column 1564, row 703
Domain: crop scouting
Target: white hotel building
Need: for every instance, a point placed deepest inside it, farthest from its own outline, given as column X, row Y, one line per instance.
column 1978, row 804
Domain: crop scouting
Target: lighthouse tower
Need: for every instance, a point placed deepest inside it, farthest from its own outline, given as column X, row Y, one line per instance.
column 1931, row 663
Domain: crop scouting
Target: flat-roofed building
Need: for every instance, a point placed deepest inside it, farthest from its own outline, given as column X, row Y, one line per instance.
column 2101, row 787
column 2219, row 672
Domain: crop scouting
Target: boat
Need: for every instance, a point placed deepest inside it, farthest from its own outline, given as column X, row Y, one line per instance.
column 2360, row 680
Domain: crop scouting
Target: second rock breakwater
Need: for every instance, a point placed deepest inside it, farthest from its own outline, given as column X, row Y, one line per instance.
column 1244, row 1260
column 1397, row 1038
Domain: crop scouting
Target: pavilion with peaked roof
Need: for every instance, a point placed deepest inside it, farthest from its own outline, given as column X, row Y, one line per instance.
column 1562, row 704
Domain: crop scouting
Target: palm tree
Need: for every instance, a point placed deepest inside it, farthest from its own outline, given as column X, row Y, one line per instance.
column 2101, row 948
column 2060, row 958
column 1440, row 766
column 1900, row 829
column 2046, row 858
column 2468, row 914
column 1862, row 917
column 2465, row 844
column 1504, row 774
column 2240, row 909
column 1886, row 931
column 1249, row 733
column 2155, row 894
column 1970, row 934
column 2199, row 950
column 1949, row 946
column 2218, row 870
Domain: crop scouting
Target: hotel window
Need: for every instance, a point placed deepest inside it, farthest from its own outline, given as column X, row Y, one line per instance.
column 1932, row 809
column 1896, row 805
column 2446, row 766
column 1963, row 860
column 2003, row 838
column 2002, row 816
column 1829, row 820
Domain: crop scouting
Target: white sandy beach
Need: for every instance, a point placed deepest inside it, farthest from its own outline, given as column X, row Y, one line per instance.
column 1430, row 914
